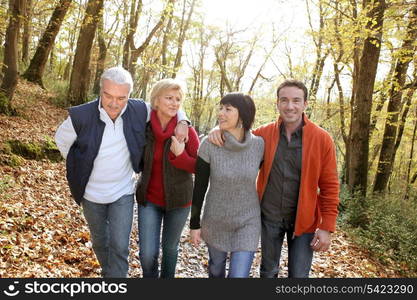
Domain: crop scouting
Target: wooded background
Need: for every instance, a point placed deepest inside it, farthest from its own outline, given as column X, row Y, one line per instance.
column 362, row 81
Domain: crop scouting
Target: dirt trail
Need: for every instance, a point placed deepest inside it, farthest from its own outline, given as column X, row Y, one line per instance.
column 43, row 233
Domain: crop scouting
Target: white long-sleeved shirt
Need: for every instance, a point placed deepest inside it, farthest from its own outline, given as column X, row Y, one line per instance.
column 112, row 175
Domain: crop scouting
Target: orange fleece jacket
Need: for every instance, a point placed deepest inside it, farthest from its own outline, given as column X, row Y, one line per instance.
column 318, row 197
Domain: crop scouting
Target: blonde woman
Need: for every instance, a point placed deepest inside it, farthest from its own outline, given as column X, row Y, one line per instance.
column 164, row 191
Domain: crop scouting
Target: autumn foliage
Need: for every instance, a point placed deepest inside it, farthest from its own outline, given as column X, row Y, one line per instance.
column 43, row 232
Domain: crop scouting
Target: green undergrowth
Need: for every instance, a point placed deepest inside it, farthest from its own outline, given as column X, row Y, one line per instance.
column 13, row 152
column 385, row 225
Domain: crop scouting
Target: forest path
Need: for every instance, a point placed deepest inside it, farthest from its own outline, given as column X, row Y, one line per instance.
column 44, row 234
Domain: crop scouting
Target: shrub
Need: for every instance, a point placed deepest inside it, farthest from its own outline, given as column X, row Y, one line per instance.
column 59, row 88
column 390, row 232
column 30, row 150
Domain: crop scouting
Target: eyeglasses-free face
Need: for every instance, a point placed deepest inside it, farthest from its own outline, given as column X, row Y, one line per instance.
column 291, row 105
column 228, row 117
column 114, row 97
column 168, row 102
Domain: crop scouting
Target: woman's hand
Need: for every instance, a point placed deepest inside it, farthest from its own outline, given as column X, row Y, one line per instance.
column 195, row 236
column 177, row 147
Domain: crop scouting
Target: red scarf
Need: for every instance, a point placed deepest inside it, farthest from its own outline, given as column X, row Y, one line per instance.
column 155, row 191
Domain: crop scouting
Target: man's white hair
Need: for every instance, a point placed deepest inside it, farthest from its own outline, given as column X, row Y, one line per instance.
column 118, row 75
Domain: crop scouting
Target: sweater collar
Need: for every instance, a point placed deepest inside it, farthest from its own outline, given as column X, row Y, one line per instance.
column 232, row 144
column 157, row 130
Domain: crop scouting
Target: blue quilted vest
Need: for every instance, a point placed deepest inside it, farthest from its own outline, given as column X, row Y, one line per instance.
column 89, row 128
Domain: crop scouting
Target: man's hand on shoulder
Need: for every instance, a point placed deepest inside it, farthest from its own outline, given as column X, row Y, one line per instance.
column 215, row 136
column 181, row 131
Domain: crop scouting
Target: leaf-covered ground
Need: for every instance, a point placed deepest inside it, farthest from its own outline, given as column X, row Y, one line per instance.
column 43, row 232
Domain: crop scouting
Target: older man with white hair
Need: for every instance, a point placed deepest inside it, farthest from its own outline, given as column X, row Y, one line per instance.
column 102, row 142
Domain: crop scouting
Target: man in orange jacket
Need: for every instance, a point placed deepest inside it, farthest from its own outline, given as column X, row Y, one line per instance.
column 297, row 184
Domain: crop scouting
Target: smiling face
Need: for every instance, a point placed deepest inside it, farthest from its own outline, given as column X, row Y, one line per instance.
column 168, row 102
column 228, row 117
column 291, row 105
column 114, row 97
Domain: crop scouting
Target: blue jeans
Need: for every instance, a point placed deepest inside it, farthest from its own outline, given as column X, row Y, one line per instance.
column 239, row 266
column 300, row 253
column 150, row 219
column 110, row 226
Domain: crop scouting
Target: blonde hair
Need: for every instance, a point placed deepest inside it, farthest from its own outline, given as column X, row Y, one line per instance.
column 163, row 85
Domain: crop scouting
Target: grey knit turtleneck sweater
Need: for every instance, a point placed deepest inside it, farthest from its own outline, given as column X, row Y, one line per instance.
column 231, row 219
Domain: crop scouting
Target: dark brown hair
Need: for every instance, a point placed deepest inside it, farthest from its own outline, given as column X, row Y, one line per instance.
column 293, row 83
column 245, row 106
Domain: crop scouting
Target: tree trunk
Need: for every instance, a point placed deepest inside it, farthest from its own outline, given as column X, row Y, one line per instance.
column 408, row 97
column 3, row 4
column 387, row 154
column 258, row 74
column 137, row 52
column 72, row 36
column 356, row 67
column 320, row 57
column 135, row 12
column 101, row 56
column 338, row 53
column 164, row 49
column 52, row 59
column 224, row 80
column 382, row 97
column 243, row 65
column 360, row 119
column 181, row 39
column 80, row 75
column 67, row 69
column 9, row 83
column 37, row 65
column 410, row 160
column 27, row 32
column 103, row 47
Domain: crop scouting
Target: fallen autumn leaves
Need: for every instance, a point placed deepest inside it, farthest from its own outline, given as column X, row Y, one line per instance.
column 43, row 232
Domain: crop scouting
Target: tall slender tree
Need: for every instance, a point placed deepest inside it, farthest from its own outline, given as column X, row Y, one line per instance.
column 81, row 72
column 72, row 41
column 410, row 161
column 388, row 151
column 34, row 72
column 103, row 49
column 355, row 71
column 321, row 52
column 27, row 30
column 135, row 12
column 3, row 21
column 10, row 68
column 185, row 24
column 363, row 91
column 137, row 52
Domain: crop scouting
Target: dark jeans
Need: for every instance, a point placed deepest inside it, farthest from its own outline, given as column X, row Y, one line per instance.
column 239, row 266
column 150, row 219
column 110, row 226
column 300, row 254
